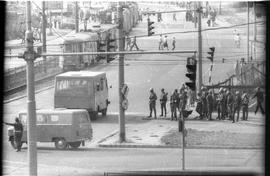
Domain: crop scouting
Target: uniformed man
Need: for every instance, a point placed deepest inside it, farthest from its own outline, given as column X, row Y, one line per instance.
column 259, row 95
column 230, row 106
column 210, row 104
column 174, row 104
column 204, row 103
column 163, row 101
column 18, row 132
column 182, row 102
column 199, row 105
column 152, row 102
column 245, row 101
column 237, row 105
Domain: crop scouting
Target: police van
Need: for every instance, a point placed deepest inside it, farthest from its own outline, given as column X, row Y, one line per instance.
column 82, row 90
column 64, row 127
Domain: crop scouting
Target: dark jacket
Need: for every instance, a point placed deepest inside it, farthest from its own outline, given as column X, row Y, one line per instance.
column 18, row 127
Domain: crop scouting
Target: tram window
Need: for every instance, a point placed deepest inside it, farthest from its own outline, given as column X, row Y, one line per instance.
column 41, row 119
column 68, row 47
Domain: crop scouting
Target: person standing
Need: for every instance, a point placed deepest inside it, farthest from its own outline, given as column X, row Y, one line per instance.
column 173, row 43
column 134, row 43
column 163, row 101
column 237, row 105
column 165, row 44
column 199, row 106
column 18, row 132
column 230, row 105
column 160, row 44
column 183, row 102
column 245, row 101
column 210, row 102
column 174, row 104
column 204, row 104
column 259, row 95
column 152, row 103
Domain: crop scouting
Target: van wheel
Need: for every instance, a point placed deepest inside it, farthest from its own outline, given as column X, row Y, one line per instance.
column 60, row 144
column 104, row 112
column 75, row 144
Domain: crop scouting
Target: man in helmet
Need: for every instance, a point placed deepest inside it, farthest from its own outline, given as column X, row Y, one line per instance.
column 230, row 105
column 237, row 105
column 152, row 102
column 210, row 104
column 245, row 102
column 163, row 101
column 259, row 95
column 18, row 132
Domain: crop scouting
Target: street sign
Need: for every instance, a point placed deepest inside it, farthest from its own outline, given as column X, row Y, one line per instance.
column 125, row 104
column 125, row 90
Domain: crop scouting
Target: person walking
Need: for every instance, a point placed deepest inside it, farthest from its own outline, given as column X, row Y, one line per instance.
column 259, row 95
column 152, row 103
column 160, row 44
column 165, row 44
column 173, row 43
column 18, row 132
column 134, row 43
column 163, row 101
column 174, row 17
column 245, row 101
column 237, row 105
column 128, row 41
column 210, row 104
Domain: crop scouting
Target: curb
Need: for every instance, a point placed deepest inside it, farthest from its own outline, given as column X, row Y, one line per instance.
column 106, row 137
column 174, row 146
column 23, row 96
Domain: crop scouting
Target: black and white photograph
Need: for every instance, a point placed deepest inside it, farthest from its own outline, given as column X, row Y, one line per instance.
column 115, row 88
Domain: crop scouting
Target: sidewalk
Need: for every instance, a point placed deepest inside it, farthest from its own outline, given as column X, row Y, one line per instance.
column 154, row 134
column 56, row 33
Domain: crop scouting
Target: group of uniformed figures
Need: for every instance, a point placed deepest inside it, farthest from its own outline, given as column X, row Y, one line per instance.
column 178, row 101
column 226, row 102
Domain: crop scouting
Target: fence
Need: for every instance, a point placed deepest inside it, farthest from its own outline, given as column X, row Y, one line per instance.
column 16, row 77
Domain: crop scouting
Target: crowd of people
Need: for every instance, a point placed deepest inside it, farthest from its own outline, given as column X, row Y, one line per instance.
column 228, row 104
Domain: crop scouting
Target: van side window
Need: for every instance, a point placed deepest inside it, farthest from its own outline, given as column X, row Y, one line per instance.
column 54, row 118
column 101, row 83
column 41, row 119
column 83, row 118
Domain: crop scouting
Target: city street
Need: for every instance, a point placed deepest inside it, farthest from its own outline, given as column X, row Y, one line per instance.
column 142, row 72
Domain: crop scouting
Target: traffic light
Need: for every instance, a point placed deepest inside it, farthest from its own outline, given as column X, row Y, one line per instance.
column 211, row 53
column 150, row 27
column 191, row 73
column 110, row 47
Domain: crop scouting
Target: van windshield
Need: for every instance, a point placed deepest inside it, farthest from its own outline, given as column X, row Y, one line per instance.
column 73, row 87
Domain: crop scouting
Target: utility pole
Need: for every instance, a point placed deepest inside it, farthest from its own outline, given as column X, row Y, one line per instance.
column 76, row 17
column 183, row 143
column 122, row 133
column 255, row 30
column 29, row 57
column 248, row 32
column 44, row 25
column 200, row 47
column 219, row 7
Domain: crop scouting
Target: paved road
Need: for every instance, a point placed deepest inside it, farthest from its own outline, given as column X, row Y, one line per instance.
column 104, row 160
column 141, row 73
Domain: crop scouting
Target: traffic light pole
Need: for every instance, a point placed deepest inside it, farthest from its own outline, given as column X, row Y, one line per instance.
column 122, row 133
column 200, row 48
column 44, row 26
column 183, row 143
column 31, row 104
